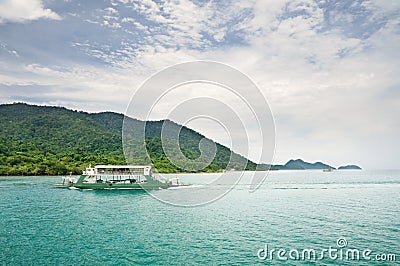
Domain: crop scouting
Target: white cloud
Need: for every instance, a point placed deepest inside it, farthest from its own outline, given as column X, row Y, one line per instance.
column 113, row 25
column 219, row 36
column 23, row 11
column 111, row 10
column 70, row 86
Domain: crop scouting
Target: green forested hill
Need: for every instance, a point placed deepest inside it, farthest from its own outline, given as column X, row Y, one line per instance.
column 39, row 140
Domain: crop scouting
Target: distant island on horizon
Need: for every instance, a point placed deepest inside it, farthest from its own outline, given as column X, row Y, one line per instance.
column 49, row 140
column 299, row 164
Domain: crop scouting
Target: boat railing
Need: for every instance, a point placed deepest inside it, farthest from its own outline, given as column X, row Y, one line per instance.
column 175, row 181
column 69, row 180
column 119, row 173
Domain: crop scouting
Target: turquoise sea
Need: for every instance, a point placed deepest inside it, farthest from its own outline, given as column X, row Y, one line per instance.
column 41, row 224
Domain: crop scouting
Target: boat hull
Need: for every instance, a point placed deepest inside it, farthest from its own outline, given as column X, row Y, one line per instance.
column 149, row 183
column 121, row 186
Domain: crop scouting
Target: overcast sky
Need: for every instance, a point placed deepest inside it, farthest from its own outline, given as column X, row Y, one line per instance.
column 330, row 70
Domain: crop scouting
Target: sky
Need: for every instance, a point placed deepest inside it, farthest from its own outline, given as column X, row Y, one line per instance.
column 329, row 70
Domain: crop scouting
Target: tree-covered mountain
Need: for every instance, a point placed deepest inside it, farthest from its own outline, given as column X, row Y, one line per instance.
column 38, row 140
column 302, row 165
column 349, row 167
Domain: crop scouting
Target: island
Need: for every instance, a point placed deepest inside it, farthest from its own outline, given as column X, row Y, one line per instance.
column 299, row 164
column 350, row 167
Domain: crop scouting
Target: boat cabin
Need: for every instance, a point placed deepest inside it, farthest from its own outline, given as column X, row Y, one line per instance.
column 118, row 174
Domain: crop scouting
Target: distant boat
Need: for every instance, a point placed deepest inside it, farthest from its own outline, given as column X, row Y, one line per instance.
column 330, row 169
column 120, row 177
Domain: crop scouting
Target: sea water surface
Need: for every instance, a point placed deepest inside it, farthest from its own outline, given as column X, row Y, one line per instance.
column 41, row 224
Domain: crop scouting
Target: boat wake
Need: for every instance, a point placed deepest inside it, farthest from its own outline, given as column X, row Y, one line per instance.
column 186, row 186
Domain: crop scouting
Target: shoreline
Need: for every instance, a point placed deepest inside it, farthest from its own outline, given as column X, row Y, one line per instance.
column 192, row 173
